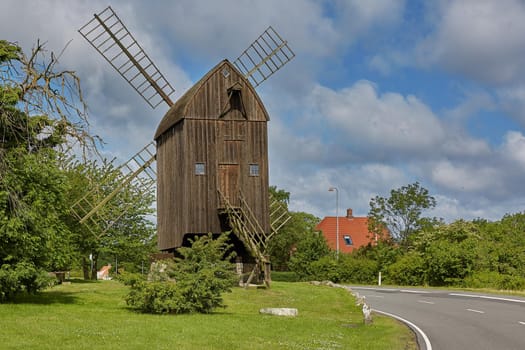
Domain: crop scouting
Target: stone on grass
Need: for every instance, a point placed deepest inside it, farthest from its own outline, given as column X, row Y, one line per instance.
column 279, row 311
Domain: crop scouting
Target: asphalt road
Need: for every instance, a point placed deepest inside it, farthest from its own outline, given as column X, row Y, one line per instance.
column 450, row 320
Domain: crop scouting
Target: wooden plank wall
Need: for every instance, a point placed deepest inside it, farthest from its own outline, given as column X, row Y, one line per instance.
column 170, row 184
column 188, row 203
column 212, row 98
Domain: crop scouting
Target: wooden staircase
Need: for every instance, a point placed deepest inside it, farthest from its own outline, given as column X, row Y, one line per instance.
column 245, row 225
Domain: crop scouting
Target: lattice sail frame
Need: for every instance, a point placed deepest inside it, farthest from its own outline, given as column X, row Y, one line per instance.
column 265, row 56
column 91, row 209
column 110, row 37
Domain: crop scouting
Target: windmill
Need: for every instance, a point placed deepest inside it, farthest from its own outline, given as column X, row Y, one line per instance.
column 211, row 146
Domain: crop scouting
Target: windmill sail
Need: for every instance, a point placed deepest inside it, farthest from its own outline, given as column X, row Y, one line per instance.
column 110, row 37
column 265, row 56
column 92, row 208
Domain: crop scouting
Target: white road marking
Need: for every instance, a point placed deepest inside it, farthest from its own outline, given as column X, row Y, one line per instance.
column 414, row 291
column 374, row 288
column 428, row 346
column 477, row 311
column 425, row 302
column 523, row 323
column 486, row 297
column 393, row 290
column 376, row 296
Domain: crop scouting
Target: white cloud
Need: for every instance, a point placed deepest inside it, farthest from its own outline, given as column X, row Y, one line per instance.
column 512, row 99
column 472, row 103
column 454, row 209
column 514, row 148
column 389, row 121
column 381, row 64
column 460, row 145
column 482, row 39
column 356, row 185
column 464, row 177
column 359, row 16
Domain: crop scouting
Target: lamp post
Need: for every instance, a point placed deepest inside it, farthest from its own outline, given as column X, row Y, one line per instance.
column 332, row 189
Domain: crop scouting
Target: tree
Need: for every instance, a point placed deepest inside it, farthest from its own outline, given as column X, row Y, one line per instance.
column 42, row 105
column 42, row 118
column 282, row 245
column 38, row 115
column 401, row 213
column 130, row 236
column 311, row 249
column 280, row 195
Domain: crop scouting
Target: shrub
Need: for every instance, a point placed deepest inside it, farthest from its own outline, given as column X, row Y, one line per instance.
column 155, row 297
column 512, row 282
column 193, row 283
column 325, row 269
column 493, row 279
column 309, row 250
column 357, row 269
column 448, row 263
column 23, row 277
column 409, row 270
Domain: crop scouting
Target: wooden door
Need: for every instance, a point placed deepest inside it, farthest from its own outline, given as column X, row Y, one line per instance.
column 229, row 182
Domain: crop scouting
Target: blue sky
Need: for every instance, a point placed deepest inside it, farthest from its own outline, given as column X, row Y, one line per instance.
column 382, row 93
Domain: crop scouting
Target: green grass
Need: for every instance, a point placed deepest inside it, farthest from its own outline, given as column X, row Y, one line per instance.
column 94, row 316
column 284, row 276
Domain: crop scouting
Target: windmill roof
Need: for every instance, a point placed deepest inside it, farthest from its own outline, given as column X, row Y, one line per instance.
column 178, row 111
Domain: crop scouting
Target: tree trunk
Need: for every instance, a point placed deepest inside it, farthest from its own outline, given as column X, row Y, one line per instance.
column 94, row 270
column 85, row 268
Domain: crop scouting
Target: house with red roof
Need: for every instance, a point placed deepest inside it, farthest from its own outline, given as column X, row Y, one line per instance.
column 353, row 232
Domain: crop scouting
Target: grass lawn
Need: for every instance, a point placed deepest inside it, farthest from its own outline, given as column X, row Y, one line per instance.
column 93, row 315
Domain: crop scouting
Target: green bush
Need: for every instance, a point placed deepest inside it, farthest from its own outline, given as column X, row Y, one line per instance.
column 511, row 282
column 448, row 263
column 408, row 270
column 193, row 283
column 325, row 269
column 23, row 277
column 493, row 279
column 155, row 297
column 357, row 269
column 345, row 268
column 309, row 250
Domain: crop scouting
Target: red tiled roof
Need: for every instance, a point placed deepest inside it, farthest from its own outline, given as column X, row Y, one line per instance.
column 355, row 227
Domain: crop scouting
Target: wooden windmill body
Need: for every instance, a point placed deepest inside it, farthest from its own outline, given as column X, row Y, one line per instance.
column 211, row 146
column 212, row 150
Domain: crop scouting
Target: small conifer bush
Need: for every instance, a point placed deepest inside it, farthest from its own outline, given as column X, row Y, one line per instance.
column 192, row 283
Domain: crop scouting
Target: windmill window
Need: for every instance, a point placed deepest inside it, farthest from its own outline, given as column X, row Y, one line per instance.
column 200, row 169
column 348, row 240
column 226, row 72
column 254, row 169
column 236, row 100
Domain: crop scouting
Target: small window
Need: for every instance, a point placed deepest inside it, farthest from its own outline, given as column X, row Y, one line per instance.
column 348, row 240
column 200, row 169
column 254, row 169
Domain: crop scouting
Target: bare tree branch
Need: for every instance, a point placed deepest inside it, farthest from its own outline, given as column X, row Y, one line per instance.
column 44, row 89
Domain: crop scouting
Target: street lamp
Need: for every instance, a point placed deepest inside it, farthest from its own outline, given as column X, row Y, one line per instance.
column 332, row 189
